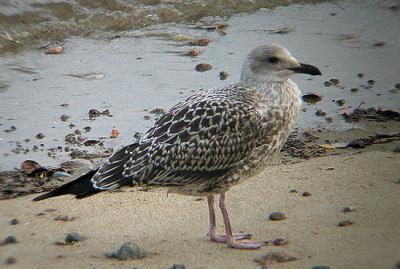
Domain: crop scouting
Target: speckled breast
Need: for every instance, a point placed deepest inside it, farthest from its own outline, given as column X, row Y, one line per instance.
column 279, row 107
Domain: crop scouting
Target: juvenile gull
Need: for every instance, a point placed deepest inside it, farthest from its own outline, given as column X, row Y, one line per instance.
column 211, row 141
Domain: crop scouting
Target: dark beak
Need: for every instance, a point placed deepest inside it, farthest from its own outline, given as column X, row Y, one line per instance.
column 306, row 69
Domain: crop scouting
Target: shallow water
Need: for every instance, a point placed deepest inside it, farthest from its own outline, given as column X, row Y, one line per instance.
column 139, row 70
column 24, row 23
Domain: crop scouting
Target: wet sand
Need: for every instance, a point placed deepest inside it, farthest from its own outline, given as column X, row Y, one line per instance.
column 174, row 227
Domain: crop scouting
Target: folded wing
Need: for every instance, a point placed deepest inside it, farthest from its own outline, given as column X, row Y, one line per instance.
column 194, row 142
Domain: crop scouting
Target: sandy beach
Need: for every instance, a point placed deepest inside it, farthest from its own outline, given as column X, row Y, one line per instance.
column 130, row 63
column 174, row 227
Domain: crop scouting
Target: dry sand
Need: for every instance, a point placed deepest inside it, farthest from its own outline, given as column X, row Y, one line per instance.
column 174, row 227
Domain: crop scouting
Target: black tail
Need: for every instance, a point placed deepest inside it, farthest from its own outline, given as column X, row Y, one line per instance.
column 81, row 187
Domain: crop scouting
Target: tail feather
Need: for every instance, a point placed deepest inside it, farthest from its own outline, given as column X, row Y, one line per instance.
column 81, row 187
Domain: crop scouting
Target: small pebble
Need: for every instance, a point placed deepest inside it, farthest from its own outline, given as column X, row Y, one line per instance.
column 354, row 89
column 14, row 221
column 320, row 113
column 40, row 136
column 311, row 98
column 327, row 83
column 87, row 129
column 223, row 75
column 345, row 223
column 397, row 86
column 64, row 117
column 329, row 119
column 93, row 113
column 277, row 257
column 73, row 237
column 306, row 193
column 280, row 242
column 293, row 191
column 347, row 209
column 371, row 82
column 340, row 102
column 193, row 53
column 127, row 251
column 10, row 240
column 202, row 67
column 12, row 128
column 114, row 133
column 11, row 260
column 178, row 266
column 379, row 44
column 146, row 117
column 54, row 50
column 320, row 267
column 360, row 75
column 277, row 216
column 334, row 81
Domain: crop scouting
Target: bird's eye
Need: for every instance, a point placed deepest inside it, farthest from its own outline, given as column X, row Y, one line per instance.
column 273, row 60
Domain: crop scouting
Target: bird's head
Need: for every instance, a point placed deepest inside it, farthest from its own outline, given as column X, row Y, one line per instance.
column 273, row 63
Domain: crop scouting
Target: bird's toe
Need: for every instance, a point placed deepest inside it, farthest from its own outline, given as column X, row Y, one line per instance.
column 246, row 244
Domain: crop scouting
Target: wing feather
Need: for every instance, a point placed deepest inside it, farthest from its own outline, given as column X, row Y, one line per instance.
column 110, row 175
column 204, row 143
column 198, row 140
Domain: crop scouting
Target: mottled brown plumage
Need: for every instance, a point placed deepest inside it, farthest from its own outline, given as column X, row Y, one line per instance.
column 214, row 139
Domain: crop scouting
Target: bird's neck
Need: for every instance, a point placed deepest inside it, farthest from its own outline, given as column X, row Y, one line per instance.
column 274, row 91
column 266, row 87
column 264, row 83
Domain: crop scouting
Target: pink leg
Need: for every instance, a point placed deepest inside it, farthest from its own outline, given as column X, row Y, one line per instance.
column 230, row 238
column 212, row 232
